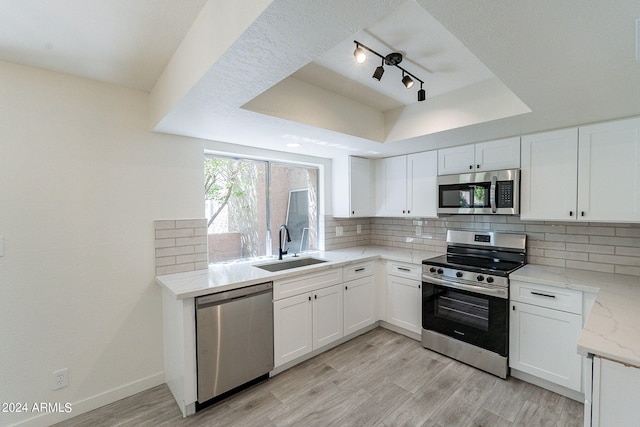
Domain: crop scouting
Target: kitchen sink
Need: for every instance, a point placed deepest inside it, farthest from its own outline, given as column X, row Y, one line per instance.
column 286, row 265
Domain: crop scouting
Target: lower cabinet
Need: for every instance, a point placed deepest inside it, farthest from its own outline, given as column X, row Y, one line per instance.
column 303, row 323
column 543, row 342
column 404, row 296
column 614, row 399
column 545, row 324
column 359, row 304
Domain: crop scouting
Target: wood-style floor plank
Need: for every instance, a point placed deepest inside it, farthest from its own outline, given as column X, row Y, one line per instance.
column 377, row 379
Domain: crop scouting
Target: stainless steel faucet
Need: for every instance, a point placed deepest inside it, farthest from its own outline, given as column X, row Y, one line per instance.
column 286, row 233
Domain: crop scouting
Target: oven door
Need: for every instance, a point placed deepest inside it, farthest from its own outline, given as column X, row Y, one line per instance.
column 480, row 319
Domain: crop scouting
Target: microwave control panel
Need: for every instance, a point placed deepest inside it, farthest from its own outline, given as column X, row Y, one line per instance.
column 504, row 194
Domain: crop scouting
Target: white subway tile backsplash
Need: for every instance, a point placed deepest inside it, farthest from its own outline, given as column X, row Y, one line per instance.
column 586, row 246
column 180, row 245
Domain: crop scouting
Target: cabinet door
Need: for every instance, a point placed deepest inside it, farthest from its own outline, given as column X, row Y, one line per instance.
column 422, row 186
column 359, row 304
column 361, row 187
column 497, row 155
column 404, row 303
column 456, row 160
column 549, row 176
column 616, row 388
column 292, row 328
column 391, row 186
column 327, row 315
column 543, row 343
column 609, row 171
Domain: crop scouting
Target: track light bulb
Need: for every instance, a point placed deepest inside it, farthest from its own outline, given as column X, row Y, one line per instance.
column 359, row 54
column 407, row 81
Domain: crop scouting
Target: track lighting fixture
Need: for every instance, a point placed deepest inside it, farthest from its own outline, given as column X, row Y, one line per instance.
column 406, row 81
column 377, row 74
column 392, row 59
column 422, row 95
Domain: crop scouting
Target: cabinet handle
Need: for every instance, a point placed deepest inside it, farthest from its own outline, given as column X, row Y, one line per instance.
column 408, row 211
column 359, row 269
column 570, row 213
column 309, row 297
column 353, row 212
column 513, row 308
column 477, row 166
column 403, row 269
column 315, row 296
column 542, row 295
column 582, row 213
column 419, row 286
column 470, row 167
column 403, row 212
column 346, row 288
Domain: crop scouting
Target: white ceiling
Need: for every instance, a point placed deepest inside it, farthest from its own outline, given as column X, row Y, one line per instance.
column 568, row 62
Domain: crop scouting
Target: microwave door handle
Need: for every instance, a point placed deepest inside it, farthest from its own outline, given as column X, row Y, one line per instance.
column 492, row 194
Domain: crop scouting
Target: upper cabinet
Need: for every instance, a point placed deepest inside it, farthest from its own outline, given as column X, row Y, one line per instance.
column 352, row 187
column 609, row 171
column 406, row 185
column 589, row 174
column 549, row 175
column 484, row 156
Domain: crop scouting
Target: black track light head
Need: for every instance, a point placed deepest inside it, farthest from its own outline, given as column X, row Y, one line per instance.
column 422, row 95
column 377, row 74
column 407, row 81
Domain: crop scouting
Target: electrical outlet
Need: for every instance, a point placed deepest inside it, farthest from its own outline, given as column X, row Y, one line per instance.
column 418, row 230
column 339, row 231
column 358, row 229
column 60, row 379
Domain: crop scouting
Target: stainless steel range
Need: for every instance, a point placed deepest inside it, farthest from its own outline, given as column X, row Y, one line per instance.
column 465, row 297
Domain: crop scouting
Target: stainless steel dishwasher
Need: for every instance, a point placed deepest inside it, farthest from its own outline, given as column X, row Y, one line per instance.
column 234, row 347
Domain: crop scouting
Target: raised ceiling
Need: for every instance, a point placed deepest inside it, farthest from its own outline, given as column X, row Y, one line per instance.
column 485, row 65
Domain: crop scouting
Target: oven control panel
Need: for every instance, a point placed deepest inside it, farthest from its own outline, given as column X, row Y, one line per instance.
column 463, row 276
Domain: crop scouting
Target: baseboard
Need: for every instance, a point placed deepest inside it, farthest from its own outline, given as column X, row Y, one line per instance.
column 566, row 392
column 94, row 402
column 401, row 331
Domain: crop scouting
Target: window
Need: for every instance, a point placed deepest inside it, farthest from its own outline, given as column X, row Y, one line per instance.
column 246, row 201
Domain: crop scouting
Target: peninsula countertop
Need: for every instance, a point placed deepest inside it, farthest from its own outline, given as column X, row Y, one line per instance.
column 612, row 328
column 227, row 276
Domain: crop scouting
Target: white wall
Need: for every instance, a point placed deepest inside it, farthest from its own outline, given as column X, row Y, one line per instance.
column 81, row 181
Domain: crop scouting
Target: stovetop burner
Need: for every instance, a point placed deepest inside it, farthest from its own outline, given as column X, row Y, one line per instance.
column 485, row 253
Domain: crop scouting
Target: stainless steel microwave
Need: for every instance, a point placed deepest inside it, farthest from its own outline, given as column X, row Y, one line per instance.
column 493, row 192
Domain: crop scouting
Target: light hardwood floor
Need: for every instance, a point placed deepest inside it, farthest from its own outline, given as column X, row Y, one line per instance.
column 377, row 379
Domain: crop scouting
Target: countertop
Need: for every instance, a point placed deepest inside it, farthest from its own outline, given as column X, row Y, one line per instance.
column 612, row 328
column 224, row 277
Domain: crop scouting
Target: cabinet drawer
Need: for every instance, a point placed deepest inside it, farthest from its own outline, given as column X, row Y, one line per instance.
column 306, row 283
column 403, row 269
column 355, row 271
column 563, row 299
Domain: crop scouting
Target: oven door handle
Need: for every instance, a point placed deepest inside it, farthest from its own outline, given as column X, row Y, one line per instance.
column 494, row 292
column 492, row 194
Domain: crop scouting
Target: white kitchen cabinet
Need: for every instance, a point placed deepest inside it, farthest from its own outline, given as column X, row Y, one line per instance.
column 352, row 187
column 292, row 328
column 549, row 175
column 327, row 315
column 545, row 323
column 614, row 394
column 360, row 309
column 609, row 171
column 306, row 322
column 406, row 185
column 484, row 156
column 587, row 174
column 391, row 187
column 404, row 296
column 359, row 304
